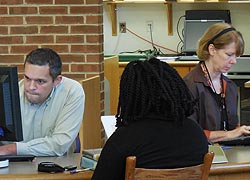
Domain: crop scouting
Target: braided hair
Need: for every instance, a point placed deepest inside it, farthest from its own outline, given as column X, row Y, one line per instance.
column 152, row 86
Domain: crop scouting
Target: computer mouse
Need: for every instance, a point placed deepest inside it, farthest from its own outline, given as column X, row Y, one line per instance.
column 50, row 167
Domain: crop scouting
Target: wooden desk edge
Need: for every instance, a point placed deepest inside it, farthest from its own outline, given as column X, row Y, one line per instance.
column 229, row 168
column 55, row 176
column 175, row 63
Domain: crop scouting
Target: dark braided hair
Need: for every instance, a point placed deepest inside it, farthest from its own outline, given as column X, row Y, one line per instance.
column 152, row 87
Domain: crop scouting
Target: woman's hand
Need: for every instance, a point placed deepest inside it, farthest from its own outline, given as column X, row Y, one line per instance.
column 240, row 131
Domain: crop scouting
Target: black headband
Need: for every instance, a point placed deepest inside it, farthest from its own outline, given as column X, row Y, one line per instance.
column 219, row 34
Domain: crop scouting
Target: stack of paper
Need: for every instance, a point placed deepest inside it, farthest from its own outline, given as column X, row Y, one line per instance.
column 108, row 123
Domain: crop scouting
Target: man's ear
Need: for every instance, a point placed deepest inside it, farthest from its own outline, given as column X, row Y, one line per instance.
column 57, row 80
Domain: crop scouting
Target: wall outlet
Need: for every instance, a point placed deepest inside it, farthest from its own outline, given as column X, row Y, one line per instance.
column 122, row 27
column 149, row 26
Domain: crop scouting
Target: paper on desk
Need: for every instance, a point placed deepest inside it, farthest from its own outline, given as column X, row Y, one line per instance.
column 108, row 123
column 219, row 155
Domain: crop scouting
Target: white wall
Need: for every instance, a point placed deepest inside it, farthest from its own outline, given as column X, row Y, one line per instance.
column 136, row 15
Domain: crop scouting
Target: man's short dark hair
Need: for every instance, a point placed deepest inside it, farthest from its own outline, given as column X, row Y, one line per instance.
column 44, row 56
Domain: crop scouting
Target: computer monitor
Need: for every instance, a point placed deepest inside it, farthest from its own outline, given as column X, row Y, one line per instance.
column 208, row 15
column 193, row 30
column 10, row 111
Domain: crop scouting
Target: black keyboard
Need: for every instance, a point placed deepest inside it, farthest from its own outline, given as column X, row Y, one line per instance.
column 17, row 158
column 240, row 141
column 187, row 58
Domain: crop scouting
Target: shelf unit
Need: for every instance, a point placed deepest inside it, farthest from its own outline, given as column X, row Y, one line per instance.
column 112, row 5
column 212, row 1
column 169, row 10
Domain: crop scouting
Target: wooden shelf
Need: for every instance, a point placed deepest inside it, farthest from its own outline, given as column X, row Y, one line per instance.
column 169, row 10
column 201, row 1
column 113, row 14
column 212, row 1
column 135, row 2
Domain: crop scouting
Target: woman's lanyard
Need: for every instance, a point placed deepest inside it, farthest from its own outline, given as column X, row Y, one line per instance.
column 220, row 98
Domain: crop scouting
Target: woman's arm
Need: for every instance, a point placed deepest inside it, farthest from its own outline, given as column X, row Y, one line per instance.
column 216, row 136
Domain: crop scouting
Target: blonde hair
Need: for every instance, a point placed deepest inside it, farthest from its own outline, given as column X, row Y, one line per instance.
column 221, row 41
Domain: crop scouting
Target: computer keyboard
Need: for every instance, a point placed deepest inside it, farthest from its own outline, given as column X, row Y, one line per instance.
column 187, row 58
column 17, row 158
column 240, row 141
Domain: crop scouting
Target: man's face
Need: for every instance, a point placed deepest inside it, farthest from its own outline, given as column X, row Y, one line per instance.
column 37, row 83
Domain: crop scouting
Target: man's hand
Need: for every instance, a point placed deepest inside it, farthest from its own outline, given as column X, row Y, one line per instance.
column 8, row 149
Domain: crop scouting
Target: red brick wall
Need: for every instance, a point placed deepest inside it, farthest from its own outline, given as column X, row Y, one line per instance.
column 73, row 28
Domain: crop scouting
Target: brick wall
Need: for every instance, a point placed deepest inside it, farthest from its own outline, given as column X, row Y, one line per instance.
column 73, row 28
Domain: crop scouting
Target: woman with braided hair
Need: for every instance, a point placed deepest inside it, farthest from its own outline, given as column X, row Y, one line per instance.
column 152, row 123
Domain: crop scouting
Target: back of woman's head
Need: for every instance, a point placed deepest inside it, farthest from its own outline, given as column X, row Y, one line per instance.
column 152, row 87
column 220, row 35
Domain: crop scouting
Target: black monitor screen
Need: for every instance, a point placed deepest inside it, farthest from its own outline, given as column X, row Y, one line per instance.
column 10, row 113
column 193, row 30
column 208, row 15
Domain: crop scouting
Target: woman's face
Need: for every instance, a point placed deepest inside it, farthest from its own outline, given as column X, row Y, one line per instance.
column 222, row 59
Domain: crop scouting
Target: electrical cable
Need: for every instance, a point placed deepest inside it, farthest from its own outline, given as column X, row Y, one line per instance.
column 155, row 51
column 181, row 36
column 151, row 35
column 177, row 27
column 151, row 42
column 178, row 47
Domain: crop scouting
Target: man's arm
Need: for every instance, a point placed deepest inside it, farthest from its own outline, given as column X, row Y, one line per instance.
column 8, row 149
